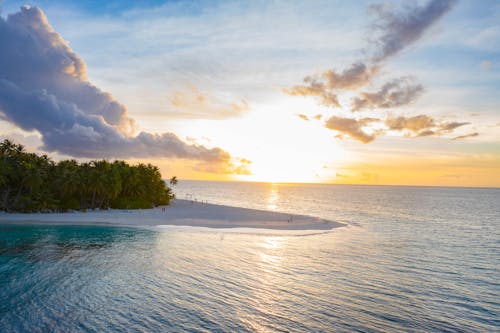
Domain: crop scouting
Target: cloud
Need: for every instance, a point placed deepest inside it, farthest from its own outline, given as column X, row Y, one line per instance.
column 422, row 125
column 192, row 103
column 326, row 85
column 240, row 168
column 465, row 136
column 486, row 39
column 30, row 141
column 397, row 30
column 44, row 87
column 35, row 57
column 426, row 133
column 303, row 117
column 67, row 129
column 316, row 88
column 369, row 176
column 358, row 75
column 486, row 65
column 394, row 30
column 318, row 117
column 415, row 124
column 449, row 127
column 395, row 93
column 352, row 127
column 243, row 167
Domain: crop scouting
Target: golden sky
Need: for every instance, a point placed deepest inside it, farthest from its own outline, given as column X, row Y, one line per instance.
column 274, row 92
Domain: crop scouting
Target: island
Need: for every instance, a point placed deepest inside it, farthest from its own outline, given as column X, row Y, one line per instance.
column 36, row 190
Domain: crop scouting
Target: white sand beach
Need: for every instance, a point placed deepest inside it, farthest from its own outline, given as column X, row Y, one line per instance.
column 180, row 213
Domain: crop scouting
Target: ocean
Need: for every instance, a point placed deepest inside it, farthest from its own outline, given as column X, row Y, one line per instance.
column 410, row 259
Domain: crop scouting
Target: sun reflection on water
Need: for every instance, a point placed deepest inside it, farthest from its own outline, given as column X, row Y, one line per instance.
column 268, row 273
column 272, row 199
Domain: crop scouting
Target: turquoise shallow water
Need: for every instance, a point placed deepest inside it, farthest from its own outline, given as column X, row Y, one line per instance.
column 411, row 259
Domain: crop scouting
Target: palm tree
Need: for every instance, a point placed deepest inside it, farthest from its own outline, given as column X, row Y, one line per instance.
column 7, row 147
column 31, row 182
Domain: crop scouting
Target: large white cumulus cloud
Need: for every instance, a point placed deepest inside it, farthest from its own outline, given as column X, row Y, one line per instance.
column 44, row 87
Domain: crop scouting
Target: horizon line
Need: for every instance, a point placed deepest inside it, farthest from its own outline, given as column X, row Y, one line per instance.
column 340, row 184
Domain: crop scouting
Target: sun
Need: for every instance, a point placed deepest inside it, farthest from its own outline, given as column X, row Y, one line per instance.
column 287, row 167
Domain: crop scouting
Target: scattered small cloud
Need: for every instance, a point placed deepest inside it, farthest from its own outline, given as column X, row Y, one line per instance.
column 415, row 124
column 243, row 167
column 352, row 127
column 395, row 30
column 465, row 136
column 485, row 39
column 449, row 127
column 486, row 65
column 426, row 133
column 369, row 176
column 422, row 125
column 240, row 167
column 363, row 130
column 195, row 104
column 315, row 88
column 303, row 117
column 318, row 117
column 395, row 93
column 326, row 85
column 358, row 75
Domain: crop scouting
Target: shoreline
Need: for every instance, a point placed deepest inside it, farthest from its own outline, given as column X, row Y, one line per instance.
column 179, row 213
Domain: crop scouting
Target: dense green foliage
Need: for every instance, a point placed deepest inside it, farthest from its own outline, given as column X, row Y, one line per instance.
column 29, row 183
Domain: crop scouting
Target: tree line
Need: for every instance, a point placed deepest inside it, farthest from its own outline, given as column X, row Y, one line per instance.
column 34, row 183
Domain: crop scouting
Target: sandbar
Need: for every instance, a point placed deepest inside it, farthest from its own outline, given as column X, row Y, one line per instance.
column 179, row 213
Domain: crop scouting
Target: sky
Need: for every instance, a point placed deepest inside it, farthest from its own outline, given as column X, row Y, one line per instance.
column 364, row 92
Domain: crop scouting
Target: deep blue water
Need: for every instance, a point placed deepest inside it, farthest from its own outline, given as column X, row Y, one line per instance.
column 411, row 259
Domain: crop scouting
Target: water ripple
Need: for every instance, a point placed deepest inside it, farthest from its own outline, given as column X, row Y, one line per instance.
column 423, row 261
